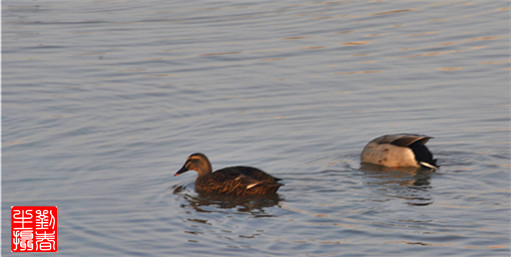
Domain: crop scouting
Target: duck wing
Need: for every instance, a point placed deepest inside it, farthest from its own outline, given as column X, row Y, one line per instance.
column 254, row 173
column 403, row 140
column 239, row 180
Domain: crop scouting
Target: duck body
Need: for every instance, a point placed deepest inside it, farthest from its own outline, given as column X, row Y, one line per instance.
column 236, row 180
column 399, row 150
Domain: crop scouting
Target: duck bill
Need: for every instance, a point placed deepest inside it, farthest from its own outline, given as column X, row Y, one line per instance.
column 182, row 170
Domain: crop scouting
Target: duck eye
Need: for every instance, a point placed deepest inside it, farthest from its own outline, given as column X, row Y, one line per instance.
column 190, row 164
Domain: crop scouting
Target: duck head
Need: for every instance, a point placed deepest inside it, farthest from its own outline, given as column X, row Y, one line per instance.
column 198, row 162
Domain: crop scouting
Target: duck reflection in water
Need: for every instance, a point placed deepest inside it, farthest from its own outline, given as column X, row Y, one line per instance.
column 208, row 202
column 409, row 183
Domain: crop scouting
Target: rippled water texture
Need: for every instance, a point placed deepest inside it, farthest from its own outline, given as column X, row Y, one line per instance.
column 102, row 101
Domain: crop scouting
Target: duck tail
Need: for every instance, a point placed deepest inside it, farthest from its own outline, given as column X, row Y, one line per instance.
column 429, row 165
column 423, row 156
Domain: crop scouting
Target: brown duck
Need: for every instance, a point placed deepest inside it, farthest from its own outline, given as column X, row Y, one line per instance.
column 399, row 150
column 236, row 180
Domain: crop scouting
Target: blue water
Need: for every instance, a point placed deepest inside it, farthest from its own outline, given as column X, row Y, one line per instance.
column 102, row 101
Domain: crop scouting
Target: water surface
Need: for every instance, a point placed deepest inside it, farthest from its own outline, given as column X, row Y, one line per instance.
column 102, row 101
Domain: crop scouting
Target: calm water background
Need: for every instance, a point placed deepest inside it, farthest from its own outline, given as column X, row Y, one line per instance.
column 102, row 101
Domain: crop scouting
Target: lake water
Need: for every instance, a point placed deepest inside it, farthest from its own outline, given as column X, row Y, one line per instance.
column 102, row 101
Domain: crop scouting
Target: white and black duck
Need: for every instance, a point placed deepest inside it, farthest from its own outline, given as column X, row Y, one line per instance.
column 399, row 150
